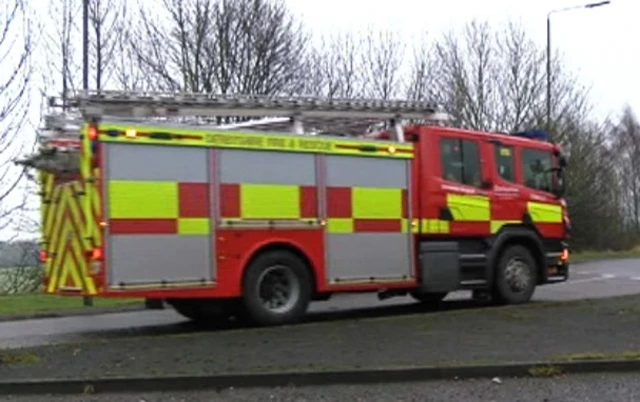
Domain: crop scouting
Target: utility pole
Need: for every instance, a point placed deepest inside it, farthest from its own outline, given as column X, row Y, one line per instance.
column 88, row 301
column 590, row 5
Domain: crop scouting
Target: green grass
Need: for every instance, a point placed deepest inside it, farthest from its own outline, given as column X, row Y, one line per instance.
column 627, row 355
column 26, row 304
column 586, row 255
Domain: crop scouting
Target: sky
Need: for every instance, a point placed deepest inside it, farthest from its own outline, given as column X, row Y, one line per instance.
column 599, row 44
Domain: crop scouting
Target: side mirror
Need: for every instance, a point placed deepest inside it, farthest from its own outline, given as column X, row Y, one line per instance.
column 562, row 161
column 560, row 187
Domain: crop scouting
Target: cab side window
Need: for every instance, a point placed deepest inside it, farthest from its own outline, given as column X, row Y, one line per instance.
column 536, row 169
column 505, row 162
column 460, row 161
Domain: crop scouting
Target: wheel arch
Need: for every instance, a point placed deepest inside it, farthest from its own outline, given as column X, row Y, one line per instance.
column 283, row 245
column 518, row 235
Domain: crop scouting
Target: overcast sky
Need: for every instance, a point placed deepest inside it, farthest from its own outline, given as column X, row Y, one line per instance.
column 599, row 44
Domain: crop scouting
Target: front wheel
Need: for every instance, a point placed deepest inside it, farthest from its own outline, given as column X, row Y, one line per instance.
column 516, row 276
column 276, row 288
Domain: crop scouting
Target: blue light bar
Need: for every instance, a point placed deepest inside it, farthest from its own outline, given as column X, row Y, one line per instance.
column 533, row 134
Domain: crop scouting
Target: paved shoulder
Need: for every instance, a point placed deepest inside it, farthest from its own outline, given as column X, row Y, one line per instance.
column 583, row 388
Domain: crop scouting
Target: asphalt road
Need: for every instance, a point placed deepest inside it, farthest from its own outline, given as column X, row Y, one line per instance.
column 579, row 388
column 588, row 280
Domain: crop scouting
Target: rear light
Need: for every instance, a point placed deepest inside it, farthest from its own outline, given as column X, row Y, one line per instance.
column 96, row 254
column 95, row 263
column 43, row 256
column 92, row 132
column 565, row 255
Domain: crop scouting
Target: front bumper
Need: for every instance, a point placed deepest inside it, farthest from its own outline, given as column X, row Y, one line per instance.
column 558, row 266
column 558, row 273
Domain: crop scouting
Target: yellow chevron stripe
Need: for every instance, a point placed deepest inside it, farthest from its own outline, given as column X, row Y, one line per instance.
column 54, row 227
column 68, row 242
column 97, row 210
column 56, row 244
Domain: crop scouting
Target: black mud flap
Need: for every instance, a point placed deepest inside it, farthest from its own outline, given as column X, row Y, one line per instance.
column 440, row 267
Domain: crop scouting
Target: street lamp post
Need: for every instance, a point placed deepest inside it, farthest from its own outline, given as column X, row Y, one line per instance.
column 87, row 300
column 590, row 5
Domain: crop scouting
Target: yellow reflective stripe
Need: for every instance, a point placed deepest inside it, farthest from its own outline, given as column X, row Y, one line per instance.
column 274, row 142
column 497, row 224
column 469, row 207
column 85, row 173
column 274, row 201
column 434, row 226
column 67, row 238
column 46, row 186
column 143, row 199
column 340, row 225
column 97, row 209
column 57, row 233
column 376, row 203
column 194, row 226
column 544, row 213
column 75, row 213
column 412, row 225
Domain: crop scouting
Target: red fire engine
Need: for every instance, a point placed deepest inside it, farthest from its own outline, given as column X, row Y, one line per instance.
column 138, row 202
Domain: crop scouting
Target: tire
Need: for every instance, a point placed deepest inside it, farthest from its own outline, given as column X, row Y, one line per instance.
column 516, row 276
column 428, row 298
column 276, row 271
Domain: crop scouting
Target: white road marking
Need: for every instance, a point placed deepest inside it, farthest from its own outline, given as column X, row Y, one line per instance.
column 596, row 279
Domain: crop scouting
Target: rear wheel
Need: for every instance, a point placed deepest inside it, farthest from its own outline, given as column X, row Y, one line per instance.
column 276, row 288
column 516, row 276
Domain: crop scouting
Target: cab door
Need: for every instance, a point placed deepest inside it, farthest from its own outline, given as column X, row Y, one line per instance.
column 505, row 206
column 462, row 185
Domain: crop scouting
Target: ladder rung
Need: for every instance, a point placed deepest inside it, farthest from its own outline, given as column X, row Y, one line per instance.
column 153, row 104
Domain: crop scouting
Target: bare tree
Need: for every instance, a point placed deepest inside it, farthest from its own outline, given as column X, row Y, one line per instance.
column 383, row 61
column 246, row 46
column 423, row 74
column 335, row 68
column 466, row 76
column 61, row 47
column 107, row 19
column 626, row 139
column 15, row 51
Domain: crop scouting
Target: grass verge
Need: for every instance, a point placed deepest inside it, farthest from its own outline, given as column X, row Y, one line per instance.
column 38, row 303
column 584, row 256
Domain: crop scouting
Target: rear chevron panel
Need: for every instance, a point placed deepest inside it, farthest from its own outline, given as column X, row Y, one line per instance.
column 65, row 238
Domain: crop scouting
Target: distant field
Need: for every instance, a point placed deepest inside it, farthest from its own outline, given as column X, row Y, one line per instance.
column 23, row 281
column 597, row 255
column 26, row 304
column 19, row 279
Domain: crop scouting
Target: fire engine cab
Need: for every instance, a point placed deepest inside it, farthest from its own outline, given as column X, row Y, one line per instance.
column 149, row 195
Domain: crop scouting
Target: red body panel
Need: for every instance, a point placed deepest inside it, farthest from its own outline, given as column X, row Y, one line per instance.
column 235, row 247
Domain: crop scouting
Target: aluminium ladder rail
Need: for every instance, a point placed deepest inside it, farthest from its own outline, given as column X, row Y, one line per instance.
column 132, row 104
column 159, row 104
column 61, row 130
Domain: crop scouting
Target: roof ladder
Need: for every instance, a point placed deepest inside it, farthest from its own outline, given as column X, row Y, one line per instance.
column 128, row 104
